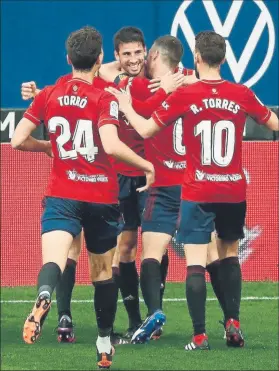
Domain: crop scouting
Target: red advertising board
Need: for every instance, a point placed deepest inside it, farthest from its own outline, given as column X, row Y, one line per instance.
column 23, row 181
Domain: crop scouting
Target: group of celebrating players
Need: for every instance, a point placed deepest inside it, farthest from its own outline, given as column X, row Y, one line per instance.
column 169, row 162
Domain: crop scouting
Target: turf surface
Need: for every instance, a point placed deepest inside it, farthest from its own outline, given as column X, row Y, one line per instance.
column 259, row 322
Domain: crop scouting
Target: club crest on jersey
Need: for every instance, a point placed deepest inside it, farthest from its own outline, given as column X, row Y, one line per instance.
column 113, row 109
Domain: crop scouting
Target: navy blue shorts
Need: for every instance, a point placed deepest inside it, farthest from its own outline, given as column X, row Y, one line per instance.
column 131, row 202
column 162, row 210
column 199, row 220
column 99, row 221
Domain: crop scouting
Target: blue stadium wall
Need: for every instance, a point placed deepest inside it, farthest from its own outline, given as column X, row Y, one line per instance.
column 34, row 33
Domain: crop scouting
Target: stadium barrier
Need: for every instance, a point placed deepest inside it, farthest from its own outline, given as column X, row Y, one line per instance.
column 24, row 178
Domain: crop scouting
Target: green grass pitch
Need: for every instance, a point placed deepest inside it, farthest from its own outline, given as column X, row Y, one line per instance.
column 259, row 320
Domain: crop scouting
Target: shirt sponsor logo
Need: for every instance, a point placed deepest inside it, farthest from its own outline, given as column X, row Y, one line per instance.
column 76, row 177
column 202, row 176
column 175, row 165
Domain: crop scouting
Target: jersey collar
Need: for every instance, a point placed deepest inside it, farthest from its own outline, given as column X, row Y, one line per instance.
column 213, row 81
column 78, row 79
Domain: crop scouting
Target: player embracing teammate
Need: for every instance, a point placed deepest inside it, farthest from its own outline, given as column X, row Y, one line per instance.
column 213, row 113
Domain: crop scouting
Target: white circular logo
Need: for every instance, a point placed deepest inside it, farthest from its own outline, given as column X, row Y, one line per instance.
column 239, row 67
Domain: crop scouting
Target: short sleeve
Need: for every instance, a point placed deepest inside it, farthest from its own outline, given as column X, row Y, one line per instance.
column 108, row 110
column 255, row 108
column 172, row 108
column 36, row 111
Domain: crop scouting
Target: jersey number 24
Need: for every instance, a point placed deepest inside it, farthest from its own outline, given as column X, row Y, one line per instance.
column 82, row 139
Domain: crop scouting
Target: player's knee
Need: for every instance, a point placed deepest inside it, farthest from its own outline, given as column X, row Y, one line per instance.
column 150, row 253
column 128, row 246
column 212, row 250
column 102, row 271
column 116, row 258
column 128, row 254
column 100, row 265
column 75, row 248
column 228, row 248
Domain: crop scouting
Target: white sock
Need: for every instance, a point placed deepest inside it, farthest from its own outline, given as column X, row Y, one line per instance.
column 103, row 344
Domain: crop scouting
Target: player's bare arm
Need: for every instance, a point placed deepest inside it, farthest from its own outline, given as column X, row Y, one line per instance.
column 23, row 141
column 273, row 122
column 113, row 146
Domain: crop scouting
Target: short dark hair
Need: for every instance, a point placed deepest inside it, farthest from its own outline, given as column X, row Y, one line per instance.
column 84, row 47
column 170, row 48
column 212, row 47
column 128, row 35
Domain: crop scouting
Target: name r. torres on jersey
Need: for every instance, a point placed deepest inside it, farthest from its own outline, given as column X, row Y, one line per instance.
column 209, row 103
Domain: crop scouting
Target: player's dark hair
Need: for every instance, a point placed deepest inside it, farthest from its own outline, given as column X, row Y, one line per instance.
column 212, row 47
column 128, row 35
column 84, row 47
column 170, row 48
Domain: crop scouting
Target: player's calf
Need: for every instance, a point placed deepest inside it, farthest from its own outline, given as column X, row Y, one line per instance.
column 105, row 299
column 48, row 277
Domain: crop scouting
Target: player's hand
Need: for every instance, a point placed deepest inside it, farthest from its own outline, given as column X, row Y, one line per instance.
column 155, row 84
column 28, row 90
column 150, row 178
column 124, row 97
column 169, row 82
column 48, row 149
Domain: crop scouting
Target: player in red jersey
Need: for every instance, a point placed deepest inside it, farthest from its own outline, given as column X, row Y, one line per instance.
column 213, row 113
column 132, row 205
column 82, row 123
column 130, row 53
column 167, row 152
column 65, row 329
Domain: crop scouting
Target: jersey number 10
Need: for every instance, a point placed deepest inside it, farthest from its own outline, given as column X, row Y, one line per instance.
column 82, row 139
column 212, row 142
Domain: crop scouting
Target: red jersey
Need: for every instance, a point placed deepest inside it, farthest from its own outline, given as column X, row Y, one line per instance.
column 166, row 150
column 73, row 112
column 98, row 82
column 140, row 92
column 214, row 115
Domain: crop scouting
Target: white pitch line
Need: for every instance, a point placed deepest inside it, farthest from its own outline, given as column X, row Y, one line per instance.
column 170, row 300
